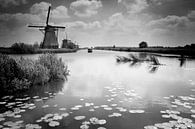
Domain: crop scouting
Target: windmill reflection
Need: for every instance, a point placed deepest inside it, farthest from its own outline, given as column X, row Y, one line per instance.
column 182, row 60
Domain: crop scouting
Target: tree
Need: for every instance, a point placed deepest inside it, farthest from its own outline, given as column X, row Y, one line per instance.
column 143, row 44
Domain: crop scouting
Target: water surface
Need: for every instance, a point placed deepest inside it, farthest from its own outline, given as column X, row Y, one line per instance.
column 109, row 95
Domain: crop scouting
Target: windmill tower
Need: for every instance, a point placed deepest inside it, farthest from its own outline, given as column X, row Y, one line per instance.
column 50, row 39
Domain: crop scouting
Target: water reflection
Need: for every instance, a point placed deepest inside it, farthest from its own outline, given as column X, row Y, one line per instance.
column 182, row 60
column 52, row 87
column 153, row 69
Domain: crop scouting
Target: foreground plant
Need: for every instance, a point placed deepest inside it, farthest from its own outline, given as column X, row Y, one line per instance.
column 57, row 69
column 23, row 73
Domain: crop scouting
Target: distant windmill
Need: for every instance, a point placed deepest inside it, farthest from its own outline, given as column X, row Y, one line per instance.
column 50, row 33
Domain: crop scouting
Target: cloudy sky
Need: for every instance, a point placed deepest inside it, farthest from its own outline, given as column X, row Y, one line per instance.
column 101, row 22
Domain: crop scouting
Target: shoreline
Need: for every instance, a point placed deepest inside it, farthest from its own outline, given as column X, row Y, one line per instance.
column 38, row 51
column 175, row 51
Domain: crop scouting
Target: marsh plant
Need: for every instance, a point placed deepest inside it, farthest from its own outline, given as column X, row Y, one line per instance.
column 10, row 73
column 21, row 74
column 135, row 59
column 55, row 66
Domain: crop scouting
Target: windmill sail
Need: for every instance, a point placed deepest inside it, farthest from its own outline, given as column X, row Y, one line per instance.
column 50, row 33
column 47, row 21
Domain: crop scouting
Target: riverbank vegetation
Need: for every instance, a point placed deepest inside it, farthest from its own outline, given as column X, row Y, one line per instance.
column 135, row 59
column 22, row 48
column 21, row 74
column 188, row 51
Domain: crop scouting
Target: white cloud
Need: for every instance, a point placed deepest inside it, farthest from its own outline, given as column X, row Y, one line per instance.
column 170, row 22
column 6, row 3
column 85, row 8
column 191, row 15
column 13, row 25
column 172, row 29
column 134, row 6
column 41, row 9
column 83, row 25
column 60, row 12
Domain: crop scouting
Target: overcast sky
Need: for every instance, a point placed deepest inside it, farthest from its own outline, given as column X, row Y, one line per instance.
column 101, row 22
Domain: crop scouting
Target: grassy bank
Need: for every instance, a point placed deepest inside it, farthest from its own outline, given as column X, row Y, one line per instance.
column 173, row 50
column 36, row 51
column 21, row 74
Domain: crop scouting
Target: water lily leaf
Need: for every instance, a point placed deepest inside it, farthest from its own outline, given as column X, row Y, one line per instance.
column 54, row 123
column 85, row 126
column 79, row 117
column 64, row 114
column 102, row 122
column 62, row 109
column 108, row 108
column 115, row 115
column 101, row 128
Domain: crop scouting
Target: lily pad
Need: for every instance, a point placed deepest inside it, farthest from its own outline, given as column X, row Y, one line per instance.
column 79, row 117
column 102, row 122
column 101, row 128
column 94, row 120
column 62, row 109
column 54, row 123
column 107, row 108
column 84, row 126
column 57, row 117
column 136, row 111
column 2, row 119
column 33, row 126
column 115, row 115
column 64, row 114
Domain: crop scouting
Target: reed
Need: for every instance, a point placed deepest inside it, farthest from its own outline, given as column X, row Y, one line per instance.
column 21, row 74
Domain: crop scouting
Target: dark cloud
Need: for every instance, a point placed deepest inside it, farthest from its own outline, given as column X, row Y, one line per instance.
column 170, row 7
column 7, row 3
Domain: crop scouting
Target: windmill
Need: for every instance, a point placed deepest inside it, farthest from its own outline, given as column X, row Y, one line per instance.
column 50, row 39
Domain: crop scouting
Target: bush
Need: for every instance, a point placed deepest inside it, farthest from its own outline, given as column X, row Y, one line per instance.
column 9, row 70
column 143, row 44
column 34, row 71
column 22, row 73
column 57, row 69
column 18, row 84
column 22, row 48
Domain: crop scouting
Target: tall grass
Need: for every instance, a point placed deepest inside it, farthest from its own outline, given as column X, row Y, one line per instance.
column 23, row 73
column 57, row 69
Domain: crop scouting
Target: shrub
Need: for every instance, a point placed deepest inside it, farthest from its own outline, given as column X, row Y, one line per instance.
column 35, row 72
column 22, row 73
column 57, row 69
column 27, row 67
column 17, row 84
column 143, row 44
column 22, row 48
column 9, row 70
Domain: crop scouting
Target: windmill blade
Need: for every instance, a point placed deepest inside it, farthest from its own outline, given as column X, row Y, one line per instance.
column 59, row 27
column 36, row 26
column 48, row 15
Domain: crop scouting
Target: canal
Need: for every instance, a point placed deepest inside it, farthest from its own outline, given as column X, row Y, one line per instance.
column 101, row 93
